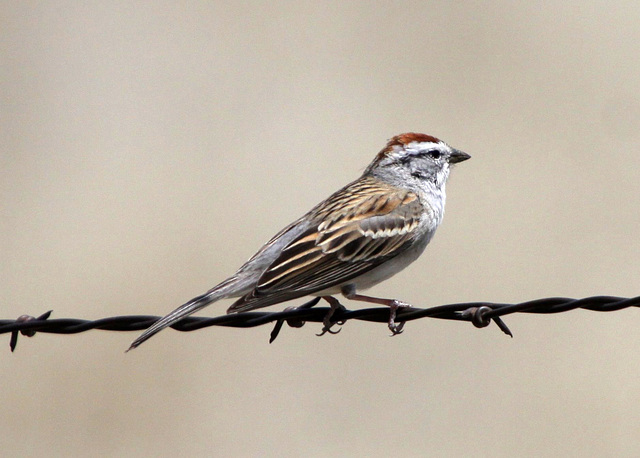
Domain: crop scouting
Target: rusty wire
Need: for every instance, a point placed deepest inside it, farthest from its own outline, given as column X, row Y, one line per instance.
column 480, row 314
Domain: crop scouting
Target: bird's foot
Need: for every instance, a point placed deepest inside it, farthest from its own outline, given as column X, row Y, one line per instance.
column 393, row 308
column 327, row 323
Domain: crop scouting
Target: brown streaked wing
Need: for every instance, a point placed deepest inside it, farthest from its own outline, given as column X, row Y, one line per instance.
column 374, row 222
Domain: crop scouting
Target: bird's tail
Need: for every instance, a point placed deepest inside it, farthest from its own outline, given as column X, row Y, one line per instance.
column 219, row 292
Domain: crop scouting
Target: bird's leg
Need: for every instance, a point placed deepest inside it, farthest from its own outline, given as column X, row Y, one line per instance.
column 335, row 305
column 350, row 293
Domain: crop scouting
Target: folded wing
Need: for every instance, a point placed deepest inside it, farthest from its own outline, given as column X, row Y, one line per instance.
column 372, row 222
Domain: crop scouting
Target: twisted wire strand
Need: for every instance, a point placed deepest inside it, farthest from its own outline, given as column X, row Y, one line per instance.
column 480, row 314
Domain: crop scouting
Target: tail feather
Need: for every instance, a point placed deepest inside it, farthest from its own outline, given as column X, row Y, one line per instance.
column 181, row 312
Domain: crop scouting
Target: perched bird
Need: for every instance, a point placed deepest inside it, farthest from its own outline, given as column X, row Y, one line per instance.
column 361, row 235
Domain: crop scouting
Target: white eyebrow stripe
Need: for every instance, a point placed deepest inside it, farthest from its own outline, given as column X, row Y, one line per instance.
column 415, row 148
column 423, row 145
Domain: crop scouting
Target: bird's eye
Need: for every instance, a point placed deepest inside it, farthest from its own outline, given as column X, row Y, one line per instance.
column 435, row 154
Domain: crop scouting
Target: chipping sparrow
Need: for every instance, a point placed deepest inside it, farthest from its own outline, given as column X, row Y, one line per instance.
column 361, row 235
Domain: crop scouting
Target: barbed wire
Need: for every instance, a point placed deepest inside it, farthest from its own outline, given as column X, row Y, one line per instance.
column 480, row 314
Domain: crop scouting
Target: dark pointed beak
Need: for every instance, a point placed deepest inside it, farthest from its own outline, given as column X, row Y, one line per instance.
column 458, row 156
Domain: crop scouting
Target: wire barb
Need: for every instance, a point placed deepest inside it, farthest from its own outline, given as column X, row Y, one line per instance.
column 26, row 332
column 480, row 314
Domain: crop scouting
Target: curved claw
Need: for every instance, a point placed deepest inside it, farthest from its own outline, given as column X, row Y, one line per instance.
column 327, row 328
column 396, row 329
column 335, row 305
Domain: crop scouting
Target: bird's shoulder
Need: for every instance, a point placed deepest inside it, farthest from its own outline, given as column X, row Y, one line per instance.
column 362, row 200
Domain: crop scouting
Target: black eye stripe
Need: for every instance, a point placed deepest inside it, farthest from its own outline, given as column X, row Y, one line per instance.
column 432, row 153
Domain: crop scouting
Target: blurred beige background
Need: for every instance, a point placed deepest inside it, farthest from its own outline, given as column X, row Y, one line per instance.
column 147, row 150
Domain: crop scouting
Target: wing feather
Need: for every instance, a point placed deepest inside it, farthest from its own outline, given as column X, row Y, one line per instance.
column 357, row 229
